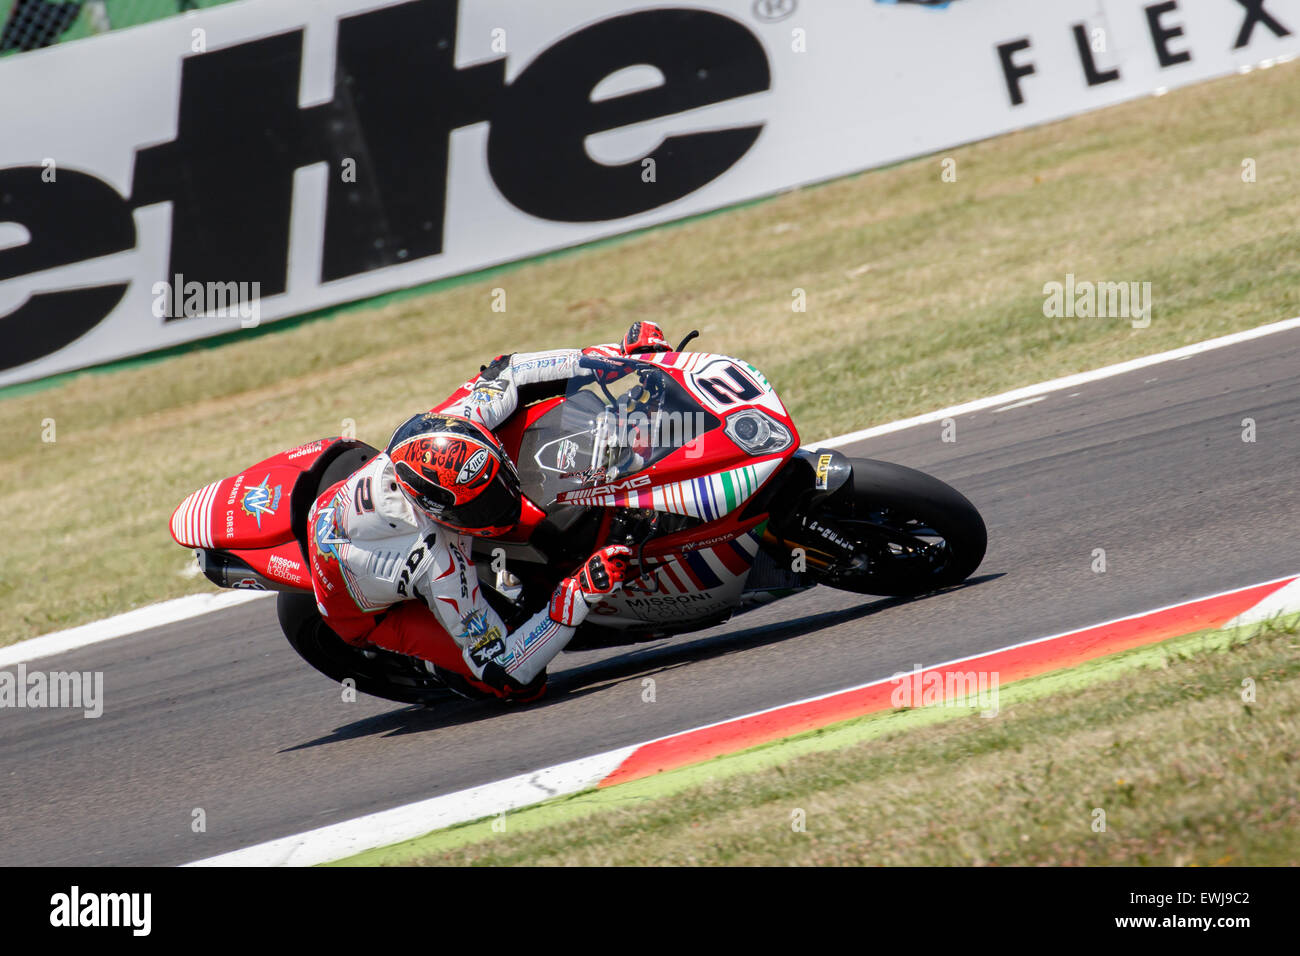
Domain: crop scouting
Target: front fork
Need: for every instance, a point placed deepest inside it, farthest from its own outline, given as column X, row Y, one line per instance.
column 816, row 484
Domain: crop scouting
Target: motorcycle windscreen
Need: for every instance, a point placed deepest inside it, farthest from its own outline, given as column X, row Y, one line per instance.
column 620, row 418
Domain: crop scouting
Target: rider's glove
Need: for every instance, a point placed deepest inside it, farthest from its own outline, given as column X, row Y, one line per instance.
column 645, row 337
column 604, row 571
column 602, row 574
column 493, row 369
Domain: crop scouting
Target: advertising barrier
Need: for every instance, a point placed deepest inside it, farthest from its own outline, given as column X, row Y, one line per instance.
column 263, row 159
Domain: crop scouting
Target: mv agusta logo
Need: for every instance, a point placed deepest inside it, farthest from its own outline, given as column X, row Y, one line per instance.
column 327, row 534
column 261, row 500
column 399, row 95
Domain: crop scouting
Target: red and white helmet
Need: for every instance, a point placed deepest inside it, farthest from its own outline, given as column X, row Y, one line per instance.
column 457, row 473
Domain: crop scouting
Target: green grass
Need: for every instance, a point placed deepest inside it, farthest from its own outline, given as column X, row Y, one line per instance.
column 1159, row 738
column 920, row 294
column 121, row 13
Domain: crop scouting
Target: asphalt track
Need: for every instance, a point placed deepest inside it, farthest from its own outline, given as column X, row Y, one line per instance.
column 218, row 713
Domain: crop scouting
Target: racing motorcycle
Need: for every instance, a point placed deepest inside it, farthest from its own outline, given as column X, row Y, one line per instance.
column 689, row 458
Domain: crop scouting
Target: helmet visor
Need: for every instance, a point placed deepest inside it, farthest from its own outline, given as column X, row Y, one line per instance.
column 494, row 510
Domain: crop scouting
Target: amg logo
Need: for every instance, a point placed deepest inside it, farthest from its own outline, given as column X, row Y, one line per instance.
column 640, row 481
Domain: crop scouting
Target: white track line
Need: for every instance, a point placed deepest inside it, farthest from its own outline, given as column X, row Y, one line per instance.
column 1069, row 381
column 1020, row 404
column 169, row 612
column 416, row 819
column 132, row 622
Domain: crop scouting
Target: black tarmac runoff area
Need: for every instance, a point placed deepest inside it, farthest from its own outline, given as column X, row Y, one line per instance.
column 218, row 714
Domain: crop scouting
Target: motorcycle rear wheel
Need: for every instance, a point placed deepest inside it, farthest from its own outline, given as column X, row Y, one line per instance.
column 376, row 672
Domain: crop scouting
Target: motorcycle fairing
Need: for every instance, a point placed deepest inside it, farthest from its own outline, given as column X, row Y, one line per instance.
column 242, row 527
column 247, row 510
column 696, row 573
column 671, row 445
column 720, row 383
column 708, row 497
column 683, row 583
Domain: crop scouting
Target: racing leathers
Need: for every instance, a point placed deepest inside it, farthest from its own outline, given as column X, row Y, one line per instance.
column 384, row 573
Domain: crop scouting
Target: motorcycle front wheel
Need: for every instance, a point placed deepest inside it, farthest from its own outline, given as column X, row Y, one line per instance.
column 919, row 533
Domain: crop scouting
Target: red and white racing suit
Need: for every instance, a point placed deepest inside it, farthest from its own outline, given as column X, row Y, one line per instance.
column 385, row 574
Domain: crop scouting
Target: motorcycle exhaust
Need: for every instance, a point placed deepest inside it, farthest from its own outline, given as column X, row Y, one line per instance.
column 227, row 571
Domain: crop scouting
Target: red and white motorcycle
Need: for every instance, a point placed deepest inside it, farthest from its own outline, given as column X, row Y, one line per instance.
column 689, row 458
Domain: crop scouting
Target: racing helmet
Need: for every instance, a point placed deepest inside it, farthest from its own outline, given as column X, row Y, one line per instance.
column 457, row 473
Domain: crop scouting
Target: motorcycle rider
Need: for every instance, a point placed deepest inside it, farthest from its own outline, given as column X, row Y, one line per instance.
column 390, row 545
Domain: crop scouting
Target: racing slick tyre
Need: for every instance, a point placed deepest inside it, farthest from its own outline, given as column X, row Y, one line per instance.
column 376, row 672
column 919, row 533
